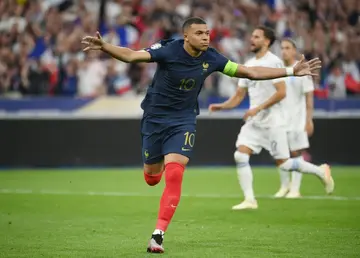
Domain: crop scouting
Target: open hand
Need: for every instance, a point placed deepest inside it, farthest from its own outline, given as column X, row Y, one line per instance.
column 309, row 127
column 215, row 107
column 93, row 43
column 251, row 113
column 304, row 67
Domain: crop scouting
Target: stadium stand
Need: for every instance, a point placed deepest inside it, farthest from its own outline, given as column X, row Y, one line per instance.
column 40, row 50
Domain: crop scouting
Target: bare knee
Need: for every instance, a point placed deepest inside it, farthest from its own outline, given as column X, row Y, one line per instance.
column 176, row 158
column 295, row 154
column 279, row 162
column 154, row 169
column 244, row 149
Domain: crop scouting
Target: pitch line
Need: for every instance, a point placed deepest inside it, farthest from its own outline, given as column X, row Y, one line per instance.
column 136, row 194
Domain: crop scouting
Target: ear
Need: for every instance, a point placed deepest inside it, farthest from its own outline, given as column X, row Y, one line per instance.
column 267, row 41
column 186, row 37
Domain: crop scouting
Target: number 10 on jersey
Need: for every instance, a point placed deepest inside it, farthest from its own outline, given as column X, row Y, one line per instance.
column 187, row 84
column 189, row 139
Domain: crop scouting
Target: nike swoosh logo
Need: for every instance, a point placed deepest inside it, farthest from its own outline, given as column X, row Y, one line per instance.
column 172, row 206
column 184, row 149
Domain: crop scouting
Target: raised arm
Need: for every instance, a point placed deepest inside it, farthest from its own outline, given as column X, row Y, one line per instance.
column 302, row 68
column 231, row 103
column 308, row 90
column 309, row 113
column 123, row 54
column 278, row 96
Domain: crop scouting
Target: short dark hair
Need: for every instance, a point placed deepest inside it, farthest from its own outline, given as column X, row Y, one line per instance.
column 192, row 20
column 269, row 33
column 292, row 42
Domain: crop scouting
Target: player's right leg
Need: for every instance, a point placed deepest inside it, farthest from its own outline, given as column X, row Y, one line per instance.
column 153, row 173
column 152, row 151
column 248, row 142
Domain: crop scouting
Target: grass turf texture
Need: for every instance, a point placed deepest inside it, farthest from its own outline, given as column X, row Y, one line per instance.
column 112, row 213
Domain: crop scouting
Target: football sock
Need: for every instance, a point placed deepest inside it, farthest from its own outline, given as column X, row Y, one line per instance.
column 296, row 179
column 153, row 179
column 171, row 195
column 302, row 166
column 284, row 178
column 245, row 175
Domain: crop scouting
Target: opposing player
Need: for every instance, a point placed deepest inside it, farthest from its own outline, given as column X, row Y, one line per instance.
column 265, row 125
column 299, row 105
column 170, row 106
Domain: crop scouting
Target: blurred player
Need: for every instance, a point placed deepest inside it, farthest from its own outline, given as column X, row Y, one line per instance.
column 265, row 125
column 170, row 105
column 299, row 105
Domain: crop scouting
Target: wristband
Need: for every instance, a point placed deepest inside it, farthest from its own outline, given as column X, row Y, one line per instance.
column 289, row 71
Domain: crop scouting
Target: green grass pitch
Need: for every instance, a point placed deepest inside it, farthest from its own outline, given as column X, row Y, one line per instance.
column 112, row 213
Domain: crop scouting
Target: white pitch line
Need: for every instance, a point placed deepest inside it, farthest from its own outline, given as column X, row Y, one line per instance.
column 134, row 194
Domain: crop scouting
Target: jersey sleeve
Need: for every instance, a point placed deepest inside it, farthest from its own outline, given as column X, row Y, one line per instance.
column 224, row 65
column 158, row 52
column 278, row 64
column 243, row 83
column 307, row 84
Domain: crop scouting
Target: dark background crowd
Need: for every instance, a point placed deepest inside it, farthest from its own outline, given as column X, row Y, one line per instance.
column 41, row 53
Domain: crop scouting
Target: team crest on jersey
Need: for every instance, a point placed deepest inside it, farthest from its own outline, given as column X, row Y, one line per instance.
column 205, row 67
column 155, row 46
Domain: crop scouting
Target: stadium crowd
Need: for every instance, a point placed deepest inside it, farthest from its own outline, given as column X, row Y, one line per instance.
column 41, row 53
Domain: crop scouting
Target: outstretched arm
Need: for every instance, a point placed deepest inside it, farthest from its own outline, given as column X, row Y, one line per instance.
column 231, row 103
column 123, row 54
column 126, row 55
column 302, row 68
column 309, row 127
column 278, row 96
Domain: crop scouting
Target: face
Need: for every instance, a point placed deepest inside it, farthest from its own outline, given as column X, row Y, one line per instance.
column 198, row 36
column 258, row 41
column 288, row 52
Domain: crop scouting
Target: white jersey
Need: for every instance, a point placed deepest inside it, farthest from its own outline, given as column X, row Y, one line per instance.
column 261, row 91
column 295, row 102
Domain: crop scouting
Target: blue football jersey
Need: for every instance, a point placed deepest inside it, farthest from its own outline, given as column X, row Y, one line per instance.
column 178, row 79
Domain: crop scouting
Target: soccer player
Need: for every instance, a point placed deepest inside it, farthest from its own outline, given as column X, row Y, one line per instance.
column 299, row 105
column 265, row 125
column 170, row 105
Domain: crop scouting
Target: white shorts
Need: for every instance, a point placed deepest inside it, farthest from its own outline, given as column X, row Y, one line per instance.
column 272, row 139
column 298, row 140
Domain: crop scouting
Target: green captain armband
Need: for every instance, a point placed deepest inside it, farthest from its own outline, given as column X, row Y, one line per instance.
column 230, row 68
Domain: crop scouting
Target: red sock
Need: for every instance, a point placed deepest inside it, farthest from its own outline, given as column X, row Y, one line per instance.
column 171, row 195
column 153, row 179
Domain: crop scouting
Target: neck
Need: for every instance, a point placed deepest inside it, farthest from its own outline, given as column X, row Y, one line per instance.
column 261, row 53
column 191, row 51
column 289, row 62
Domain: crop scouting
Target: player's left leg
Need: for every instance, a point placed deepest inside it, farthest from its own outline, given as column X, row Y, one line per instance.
column 280, row 150
column 290, row 183
column 177, row 149
column 298, row 142
column 296, row 177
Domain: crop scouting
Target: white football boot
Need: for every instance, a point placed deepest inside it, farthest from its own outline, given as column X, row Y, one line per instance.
column 246, row 205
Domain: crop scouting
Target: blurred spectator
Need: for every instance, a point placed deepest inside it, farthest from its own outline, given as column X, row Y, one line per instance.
column 91, row 76
column 40, row 41
column 336, row 82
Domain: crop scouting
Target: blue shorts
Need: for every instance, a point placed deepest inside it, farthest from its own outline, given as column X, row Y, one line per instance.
column 161, row 137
